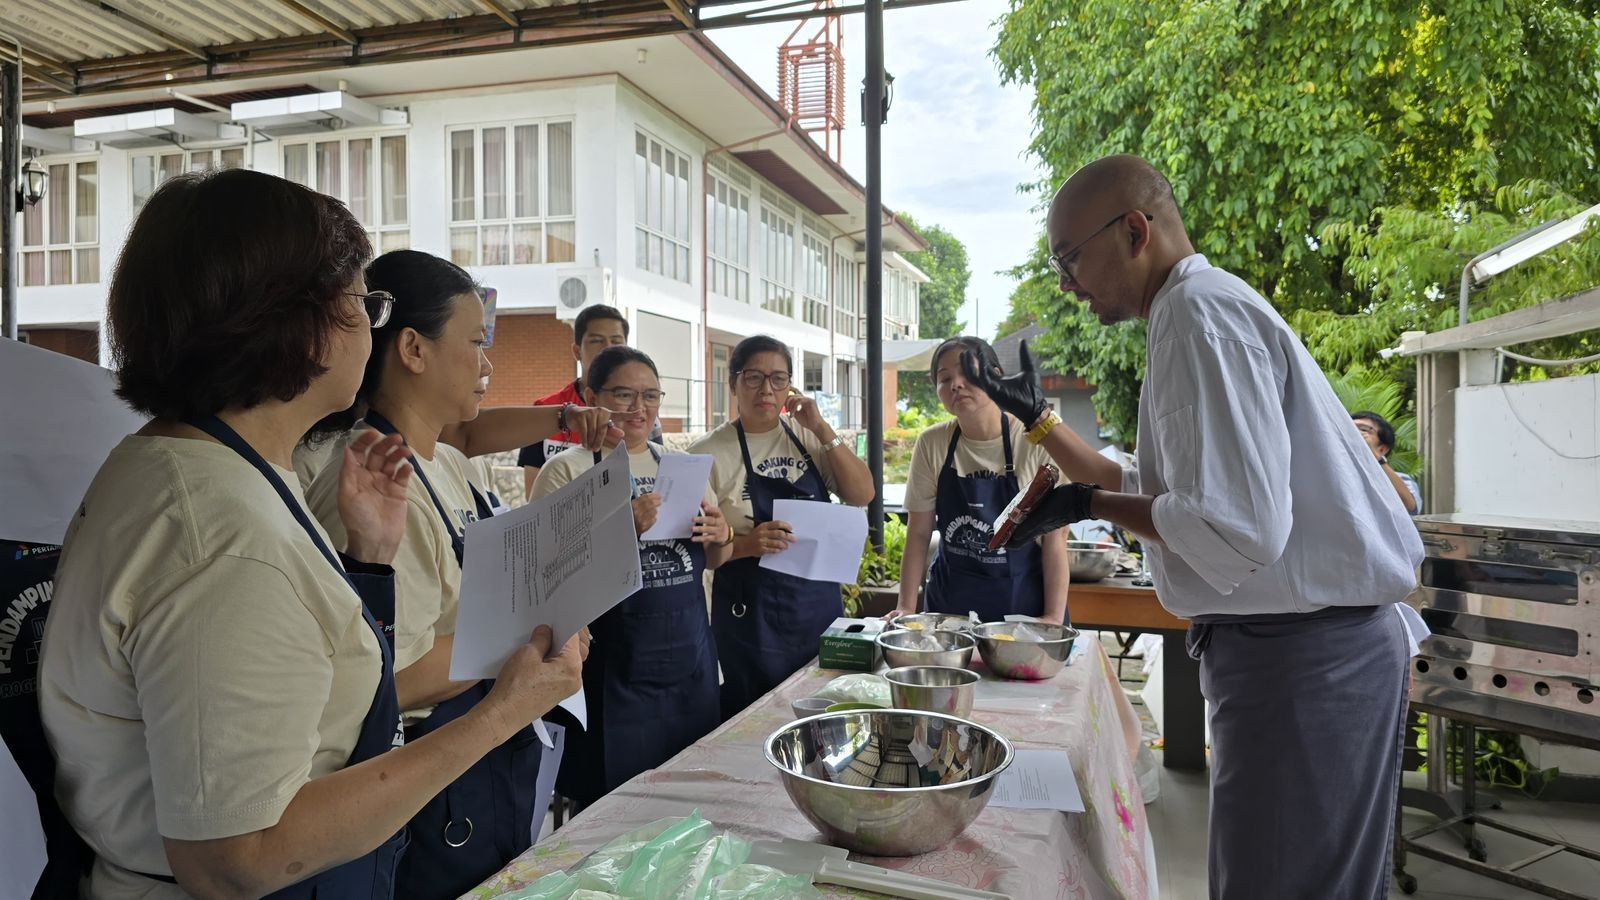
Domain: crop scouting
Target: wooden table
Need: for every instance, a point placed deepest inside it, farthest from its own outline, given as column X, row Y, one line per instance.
column 1115, row 604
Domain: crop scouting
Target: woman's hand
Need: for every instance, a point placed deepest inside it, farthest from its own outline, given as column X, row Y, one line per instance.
column 804, row 409
column 710, row 527
column 768, row 537
column 592, row 425
column 372, row 496
column 645, row 507
column 530, row 685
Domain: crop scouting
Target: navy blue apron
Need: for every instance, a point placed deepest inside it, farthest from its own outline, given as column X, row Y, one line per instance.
column 967, row 576
column 483, row 819
column 650, row 682
column 372, row 875
column 768, row 624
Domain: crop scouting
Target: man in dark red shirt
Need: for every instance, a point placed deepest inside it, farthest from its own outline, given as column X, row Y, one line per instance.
column 595, row 329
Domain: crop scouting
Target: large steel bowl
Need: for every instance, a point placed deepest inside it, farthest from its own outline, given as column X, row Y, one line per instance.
column 1024, row 660
column 890, row 782
column 1090, row 561
column 955, row 648
column 937, row 689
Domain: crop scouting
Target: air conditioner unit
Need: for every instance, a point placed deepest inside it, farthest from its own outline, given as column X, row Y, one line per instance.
column 580, row 288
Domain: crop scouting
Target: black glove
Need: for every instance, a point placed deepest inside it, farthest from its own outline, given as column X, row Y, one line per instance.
column 1018, row 394
column 1061, row 507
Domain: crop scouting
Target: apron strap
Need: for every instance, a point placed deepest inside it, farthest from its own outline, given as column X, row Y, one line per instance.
column 376, row 420
column 229, row 438
column 1005, row 442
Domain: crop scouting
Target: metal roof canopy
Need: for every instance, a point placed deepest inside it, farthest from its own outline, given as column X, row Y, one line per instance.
column 84, row 47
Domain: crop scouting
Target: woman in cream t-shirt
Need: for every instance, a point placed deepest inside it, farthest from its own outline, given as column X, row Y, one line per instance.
column 428, row 371
column 963, row 473
column 768, row 623
column 651, row 682
column 215, row 688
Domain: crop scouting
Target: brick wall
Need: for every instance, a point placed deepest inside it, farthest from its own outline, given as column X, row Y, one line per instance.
column 532, row 357
column 74, row 342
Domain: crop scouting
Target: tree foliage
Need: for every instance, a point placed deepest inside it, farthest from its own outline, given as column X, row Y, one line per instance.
column 1306, row 142
column 940, row 300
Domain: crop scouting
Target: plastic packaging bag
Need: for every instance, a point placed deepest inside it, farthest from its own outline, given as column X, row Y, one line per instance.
column 858, row 688
column 671, row 859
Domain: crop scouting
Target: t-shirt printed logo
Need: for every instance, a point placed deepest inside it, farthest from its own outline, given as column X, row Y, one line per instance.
column 665, row 564
column 789, row 468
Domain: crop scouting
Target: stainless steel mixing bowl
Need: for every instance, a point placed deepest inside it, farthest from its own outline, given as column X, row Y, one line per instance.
column 888, row 782
column 1024, row 660
column 1090, row 561
column 955, row 648
column 939, row 689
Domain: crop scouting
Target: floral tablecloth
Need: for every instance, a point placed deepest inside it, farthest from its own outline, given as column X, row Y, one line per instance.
column 1021, row 853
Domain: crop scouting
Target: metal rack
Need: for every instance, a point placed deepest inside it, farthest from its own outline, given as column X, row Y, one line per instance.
column 1514, row 605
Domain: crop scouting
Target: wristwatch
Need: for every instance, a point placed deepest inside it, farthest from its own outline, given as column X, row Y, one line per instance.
column 838, row 441
column 561, row 417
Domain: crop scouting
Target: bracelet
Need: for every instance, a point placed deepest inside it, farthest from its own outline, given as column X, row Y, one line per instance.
column 731, row 536
column 1042, row 427
column 561, row 417
column 838, row 441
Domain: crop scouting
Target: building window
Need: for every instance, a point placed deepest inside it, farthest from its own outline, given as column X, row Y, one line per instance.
column 777, row 262
column 661, row 208
column 374, row 188
column 728, row 228
column 61, row 233
column 814, row 278
column 900, row 304
column 151, row 170
column 512, row 194
column 846, row 295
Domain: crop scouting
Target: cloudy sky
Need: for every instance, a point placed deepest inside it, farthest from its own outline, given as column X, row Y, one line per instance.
column 953, row 151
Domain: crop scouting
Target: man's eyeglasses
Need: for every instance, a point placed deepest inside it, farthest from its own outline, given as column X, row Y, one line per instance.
column 1065, row 263
column 378, row 305
column 754, row 378
column 626, row 396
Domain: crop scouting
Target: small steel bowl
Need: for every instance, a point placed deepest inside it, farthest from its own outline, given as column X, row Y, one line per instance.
column 955, row 648
column 890, row 782
column 937, row 689
column 1025, row 660
column 932, row 622
column 809, row 706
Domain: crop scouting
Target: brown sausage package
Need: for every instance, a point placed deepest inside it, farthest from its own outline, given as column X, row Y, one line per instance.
column 1023, row 504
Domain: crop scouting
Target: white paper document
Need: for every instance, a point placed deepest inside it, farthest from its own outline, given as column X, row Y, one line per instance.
column 1038, row 779
column 22, row 855
column 61, row 418
column 828, row 540
column 681, row 480
column 561, row 561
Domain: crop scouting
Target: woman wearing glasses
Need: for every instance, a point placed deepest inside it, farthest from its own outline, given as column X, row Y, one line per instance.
column 215, row 686
column 426, row 371
column 651, row 681
column 768, row 623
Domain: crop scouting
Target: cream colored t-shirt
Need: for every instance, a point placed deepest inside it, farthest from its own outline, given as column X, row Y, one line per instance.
column 972, row 458
column 202, row 660
column 311, row 459
column 559, row 470
column 772, row 454
column 427, row 576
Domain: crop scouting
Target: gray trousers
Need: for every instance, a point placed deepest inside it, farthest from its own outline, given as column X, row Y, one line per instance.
column 1307, row 720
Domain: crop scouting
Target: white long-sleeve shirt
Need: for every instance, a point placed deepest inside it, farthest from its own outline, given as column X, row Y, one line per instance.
column 1267, row 499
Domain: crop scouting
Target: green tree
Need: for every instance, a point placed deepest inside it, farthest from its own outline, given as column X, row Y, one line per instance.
column 945, row 264
column 1301, row 137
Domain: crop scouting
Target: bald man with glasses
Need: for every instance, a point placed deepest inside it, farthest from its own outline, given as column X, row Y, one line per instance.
column 1265, row 524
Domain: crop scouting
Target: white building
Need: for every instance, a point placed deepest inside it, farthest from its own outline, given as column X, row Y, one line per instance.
column 650, row 173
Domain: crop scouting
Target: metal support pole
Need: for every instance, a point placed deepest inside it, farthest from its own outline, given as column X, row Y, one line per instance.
column 10, row 166
column 873, row 113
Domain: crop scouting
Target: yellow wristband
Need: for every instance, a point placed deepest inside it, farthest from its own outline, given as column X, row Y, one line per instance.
column 1041, row 428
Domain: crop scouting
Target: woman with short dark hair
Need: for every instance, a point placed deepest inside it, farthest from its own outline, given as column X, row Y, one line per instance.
column 215, row 683
column 1379, row 435
column 769, row 623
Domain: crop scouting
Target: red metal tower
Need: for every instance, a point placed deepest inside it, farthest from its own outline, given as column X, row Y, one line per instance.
column 811, row 80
